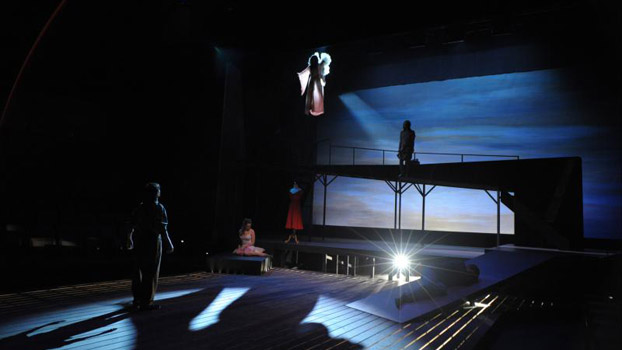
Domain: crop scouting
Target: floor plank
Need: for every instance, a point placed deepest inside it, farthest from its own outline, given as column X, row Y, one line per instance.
column 284, row 309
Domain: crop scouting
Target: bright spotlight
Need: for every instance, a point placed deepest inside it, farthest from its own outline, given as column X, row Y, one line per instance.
column 401, row 262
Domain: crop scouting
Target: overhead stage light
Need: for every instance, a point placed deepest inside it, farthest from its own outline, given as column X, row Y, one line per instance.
column 401, row 262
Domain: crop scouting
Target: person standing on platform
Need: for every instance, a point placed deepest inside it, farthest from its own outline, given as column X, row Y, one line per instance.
column 407, row 147
column 294, row 214
column 149, row 229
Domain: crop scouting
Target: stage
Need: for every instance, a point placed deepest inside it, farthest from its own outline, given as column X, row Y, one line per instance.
column 285, row 309
column 446, row 171
column 298, row 309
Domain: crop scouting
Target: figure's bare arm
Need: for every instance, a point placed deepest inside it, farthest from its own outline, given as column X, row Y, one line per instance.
column 130, row 241
column 252, row 237
column 168, row 244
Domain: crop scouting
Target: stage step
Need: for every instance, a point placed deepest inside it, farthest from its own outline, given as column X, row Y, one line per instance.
column 235, row 264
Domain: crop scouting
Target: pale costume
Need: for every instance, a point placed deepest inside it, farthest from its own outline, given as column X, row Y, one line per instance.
column 312, row 80
column 247, row 248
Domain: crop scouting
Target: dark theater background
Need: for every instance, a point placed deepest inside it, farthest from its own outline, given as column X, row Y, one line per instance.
column 516, row 109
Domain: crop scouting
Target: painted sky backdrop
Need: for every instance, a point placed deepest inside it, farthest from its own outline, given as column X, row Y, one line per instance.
column 534, row 114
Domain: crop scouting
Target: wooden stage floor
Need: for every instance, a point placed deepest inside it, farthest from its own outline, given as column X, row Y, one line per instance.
column 284, row 309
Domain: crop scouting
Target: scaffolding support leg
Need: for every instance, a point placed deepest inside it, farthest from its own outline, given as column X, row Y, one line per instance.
column 347, row 265
column 325, row 263
column 399, row 222
column 324, row 210
column 497, row 201
column 373, row 267
column 498, row 218
column 423, row 210
column 395, row 210
column 336, row 264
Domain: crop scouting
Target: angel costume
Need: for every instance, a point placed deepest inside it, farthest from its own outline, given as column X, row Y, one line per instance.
column 312, row 80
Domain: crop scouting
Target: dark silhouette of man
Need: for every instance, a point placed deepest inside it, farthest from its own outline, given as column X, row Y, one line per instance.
column 149, row 223
column 407, row 147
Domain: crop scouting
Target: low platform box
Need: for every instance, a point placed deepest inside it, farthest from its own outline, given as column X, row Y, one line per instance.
column 235, row 264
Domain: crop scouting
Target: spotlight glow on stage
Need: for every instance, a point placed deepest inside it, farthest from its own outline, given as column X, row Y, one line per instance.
column 337, row 327
column 211, row 314
column 83, row 326
column 401, row 262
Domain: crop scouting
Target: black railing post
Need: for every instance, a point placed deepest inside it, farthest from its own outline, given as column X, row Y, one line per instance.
column 384, row 151
column 324, row 211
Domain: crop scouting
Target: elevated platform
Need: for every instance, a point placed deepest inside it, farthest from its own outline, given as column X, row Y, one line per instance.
column 381, row 249
column 362, row 257
column 495, row 267
column 546, row 194
column 235, row 264
column 474, row 175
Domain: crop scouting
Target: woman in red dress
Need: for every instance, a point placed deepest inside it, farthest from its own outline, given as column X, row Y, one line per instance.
column 294, row 216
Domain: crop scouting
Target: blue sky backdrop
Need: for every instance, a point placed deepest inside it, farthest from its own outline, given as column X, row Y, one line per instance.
column 535, row 114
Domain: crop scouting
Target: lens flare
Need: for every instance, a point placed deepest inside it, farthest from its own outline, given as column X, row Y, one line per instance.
column 401, row 262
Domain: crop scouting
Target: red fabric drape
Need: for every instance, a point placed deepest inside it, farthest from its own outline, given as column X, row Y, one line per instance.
column 294, row 215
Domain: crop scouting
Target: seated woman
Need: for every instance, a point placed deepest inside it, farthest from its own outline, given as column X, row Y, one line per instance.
column 247, row 236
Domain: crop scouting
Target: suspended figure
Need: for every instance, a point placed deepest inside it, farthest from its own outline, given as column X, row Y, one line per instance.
column 312, row 80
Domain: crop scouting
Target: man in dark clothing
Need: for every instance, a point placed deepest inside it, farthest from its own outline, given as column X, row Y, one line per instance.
column 407, row 147
column 149, row 223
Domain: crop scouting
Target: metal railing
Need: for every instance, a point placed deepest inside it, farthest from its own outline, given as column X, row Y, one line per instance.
column 385, row 151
